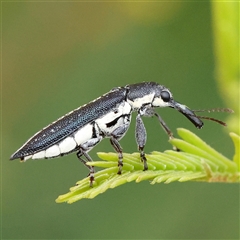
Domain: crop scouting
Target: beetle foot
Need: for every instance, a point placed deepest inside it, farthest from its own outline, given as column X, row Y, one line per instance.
column 91, row 179
column 144, row 160
column 120, row 165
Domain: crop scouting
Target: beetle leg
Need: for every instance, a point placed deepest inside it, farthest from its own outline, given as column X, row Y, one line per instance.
column 164, row 126
column 141, row 137
column 166, row 129
column 84, row 148
column 81, row 153
column 116, row 135
column 116, row 145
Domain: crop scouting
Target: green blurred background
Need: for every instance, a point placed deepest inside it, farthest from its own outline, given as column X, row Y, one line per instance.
column 57, row 56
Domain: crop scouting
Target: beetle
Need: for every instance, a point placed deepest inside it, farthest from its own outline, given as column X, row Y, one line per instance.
column 108, row 116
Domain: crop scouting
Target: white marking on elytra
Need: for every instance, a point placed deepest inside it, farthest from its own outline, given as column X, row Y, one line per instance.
column 27, row 157
column 39, row 155
column 138, row 102
column 53, row 151
column 83, row 134
column 67, row 145
column 121, row 109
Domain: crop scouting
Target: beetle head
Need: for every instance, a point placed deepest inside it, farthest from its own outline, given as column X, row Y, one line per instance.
column 164, row 98
column 154, row 95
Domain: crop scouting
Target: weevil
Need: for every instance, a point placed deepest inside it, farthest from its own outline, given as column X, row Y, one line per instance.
column 108, row 116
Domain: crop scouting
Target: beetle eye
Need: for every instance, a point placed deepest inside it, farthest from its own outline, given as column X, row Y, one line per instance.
column 165, row 96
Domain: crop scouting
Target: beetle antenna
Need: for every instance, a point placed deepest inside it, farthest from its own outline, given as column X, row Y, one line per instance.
column 228, row 110
column 213, row 119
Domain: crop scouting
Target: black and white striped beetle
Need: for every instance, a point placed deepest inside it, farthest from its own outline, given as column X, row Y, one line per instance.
column 107, row 116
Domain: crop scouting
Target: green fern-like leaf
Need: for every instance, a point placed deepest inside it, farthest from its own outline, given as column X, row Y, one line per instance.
column 197, row 161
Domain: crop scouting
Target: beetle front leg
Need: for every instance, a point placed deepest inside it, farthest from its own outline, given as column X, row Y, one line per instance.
column 141, row 138
column 164, row 126
column 166, row 129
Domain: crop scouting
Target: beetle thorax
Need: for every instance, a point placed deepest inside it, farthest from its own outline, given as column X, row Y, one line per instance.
column 147, row 95
column 141, row 101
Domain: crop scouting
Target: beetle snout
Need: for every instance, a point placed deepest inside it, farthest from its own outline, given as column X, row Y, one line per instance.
column 188, row 113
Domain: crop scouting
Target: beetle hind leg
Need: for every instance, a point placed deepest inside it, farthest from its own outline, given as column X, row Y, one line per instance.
column 81, row 153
